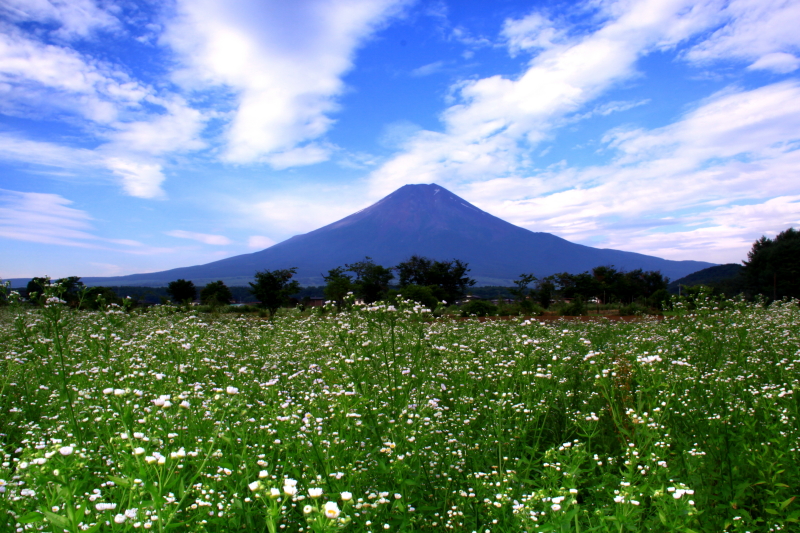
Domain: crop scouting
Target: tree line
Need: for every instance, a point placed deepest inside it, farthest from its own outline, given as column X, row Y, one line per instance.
column 772, row 269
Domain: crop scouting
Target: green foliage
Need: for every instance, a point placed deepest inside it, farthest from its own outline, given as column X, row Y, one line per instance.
column 338, row 286
column 609, row 285
column 633, row 309
column 773, row 266
column 577, row 307
column 181, row 290
column 371, row 280
column 216, row 293
column 450, row 277
column 421, row 294
column 478, row 308
column 545, row 290
column 520, row 291
column 163, row 421
column 273, row 288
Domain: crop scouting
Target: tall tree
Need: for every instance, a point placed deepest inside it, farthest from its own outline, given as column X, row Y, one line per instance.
column 372, row 280
column 273, row 288
column 337, row 285
column 521, row 289
column 216, row 293
column 449, row 278
column 181, row 290
column 773, row 266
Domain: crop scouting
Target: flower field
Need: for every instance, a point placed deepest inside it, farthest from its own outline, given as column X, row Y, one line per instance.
column 383, row 419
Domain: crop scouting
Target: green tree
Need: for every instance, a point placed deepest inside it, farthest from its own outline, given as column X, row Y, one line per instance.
column 181, row 290
column 372, row 281
column 337, row 285
column 420, row 293
column 449, row 277
column 773, row 266
column 273, row 288
column 521, row 290
column 545, row 289
column 216, row 293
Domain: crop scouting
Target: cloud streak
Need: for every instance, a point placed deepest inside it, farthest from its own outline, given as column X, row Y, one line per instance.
column 283, row 60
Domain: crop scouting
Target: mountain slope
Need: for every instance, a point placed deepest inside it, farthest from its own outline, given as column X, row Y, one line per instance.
column 417, row 219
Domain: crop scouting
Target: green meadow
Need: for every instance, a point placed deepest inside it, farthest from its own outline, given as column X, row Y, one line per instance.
column 388, row 419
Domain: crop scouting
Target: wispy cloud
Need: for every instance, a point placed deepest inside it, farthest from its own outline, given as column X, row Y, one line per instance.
column 692, row 180
column 283, row 60
column 763, row 33
column 496, row 120
column 205, row 238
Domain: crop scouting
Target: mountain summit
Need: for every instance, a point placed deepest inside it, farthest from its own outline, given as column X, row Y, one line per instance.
column 426, row 220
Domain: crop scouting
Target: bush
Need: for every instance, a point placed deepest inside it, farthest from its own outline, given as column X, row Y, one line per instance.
column 575, row 308
column 633, row 309
column 420, row 293
column 478, row 308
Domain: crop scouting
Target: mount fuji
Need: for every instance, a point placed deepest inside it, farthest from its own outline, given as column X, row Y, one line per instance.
column 427, row 220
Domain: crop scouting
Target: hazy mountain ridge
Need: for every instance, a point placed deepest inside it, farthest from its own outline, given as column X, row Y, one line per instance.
column 417, row 219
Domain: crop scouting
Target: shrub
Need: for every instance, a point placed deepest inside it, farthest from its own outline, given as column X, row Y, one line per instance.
column 576, row 307
column 478, row 308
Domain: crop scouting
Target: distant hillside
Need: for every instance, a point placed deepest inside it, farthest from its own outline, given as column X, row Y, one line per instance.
column 417, row 219
column 715, row 276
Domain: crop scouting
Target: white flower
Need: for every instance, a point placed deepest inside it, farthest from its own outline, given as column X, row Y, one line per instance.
column 138, row 435
column 289, row 490
column 315, row 492
column 232, row 390
column 120, row 518
column 331, row 510
column 138, row 451
column 555, row 507
column 307, row 509
column 66, row 450
column 119, row 392
column 108, row 391
column 274, row 493
column 105, row 506
column 185, row 404
column 346, row 496
column 263, row 474
column 255, row 485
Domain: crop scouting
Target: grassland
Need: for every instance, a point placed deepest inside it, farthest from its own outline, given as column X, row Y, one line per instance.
column 384, row 419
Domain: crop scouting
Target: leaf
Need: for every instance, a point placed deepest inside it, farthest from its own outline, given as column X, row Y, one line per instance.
column 771, row 511
column 31, row 517
column 57, row 520
column 785, row 504
column 122, row 482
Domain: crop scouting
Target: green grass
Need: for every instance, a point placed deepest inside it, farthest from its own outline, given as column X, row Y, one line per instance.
column 167, row 421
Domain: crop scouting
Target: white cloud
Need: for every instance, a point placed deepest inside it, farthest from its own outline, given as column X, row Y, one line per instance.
column 763, row 32
column 283, row 60
column 138, row 179
column 531, row 33
column 427, row 70
column 259, row 241
column 488, row 132
column 48, row 79
column 702, row 188
column 779, row 62
column 130, row 123
column 75, row 18
column 205, row 238
column 43, row 218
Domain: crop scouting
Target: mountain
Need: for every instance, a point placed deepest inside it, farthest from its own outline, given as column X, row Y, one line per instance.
column 416, row 219
column 727, row 277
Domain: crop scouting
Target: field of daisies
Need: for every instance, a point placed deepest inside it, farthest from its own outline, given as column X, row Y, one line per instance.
column 387, row 419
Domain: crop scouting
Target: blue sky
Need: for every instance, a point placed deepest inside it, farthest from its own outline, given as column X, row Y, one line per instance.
column 139, row 136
